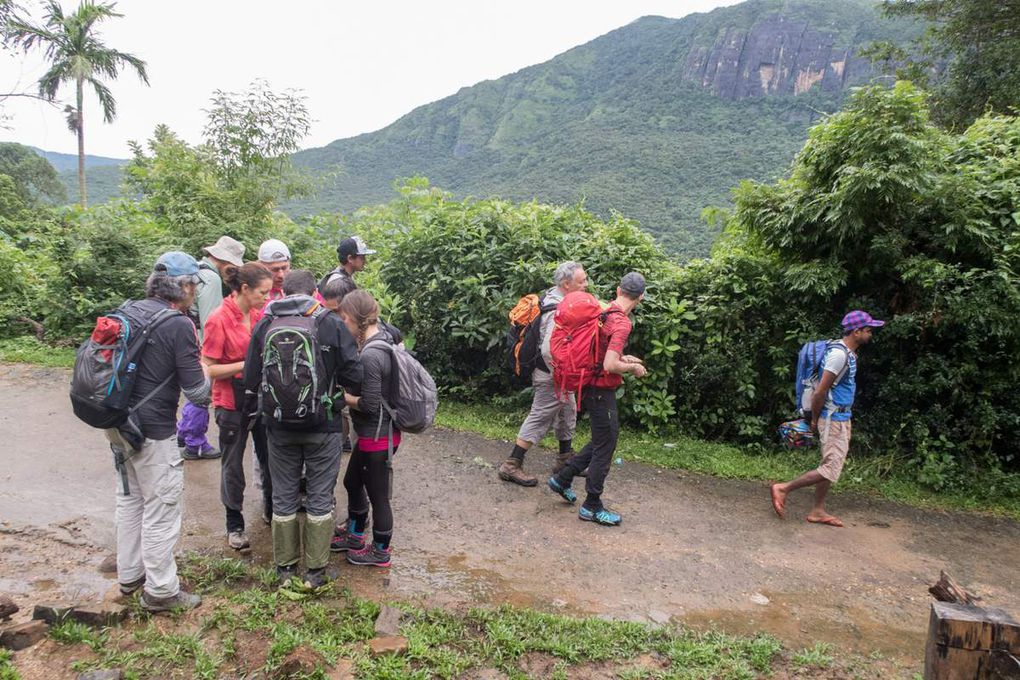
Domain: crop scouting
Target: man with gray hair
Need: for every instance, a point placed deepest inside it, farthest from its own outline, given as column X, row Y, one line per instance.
column 149, row 507
column 547, row 409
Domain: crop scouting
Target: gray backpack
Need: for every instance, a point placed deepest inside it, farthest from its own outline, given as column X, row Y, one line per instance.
column 413, row 397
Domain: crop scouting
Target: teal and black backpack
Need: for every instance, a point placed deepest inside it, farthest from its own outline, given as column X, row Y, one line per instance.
column 296, row 390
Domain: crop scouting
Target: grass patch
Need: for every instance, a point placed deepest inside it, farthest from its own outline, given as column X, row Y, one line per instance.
column 27, row 349
column 818, row 656
column 73, row 633
column 7, row 669
column 246, row 628
column 880, row 476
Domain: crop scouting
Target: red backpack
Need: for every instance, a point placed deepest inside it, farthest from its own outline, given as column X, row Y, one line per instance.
column 574, row 343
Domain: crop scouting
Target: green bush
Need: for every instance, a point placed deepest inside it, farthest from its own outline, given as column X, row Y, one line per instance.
column 459, row 266
column 885, row 212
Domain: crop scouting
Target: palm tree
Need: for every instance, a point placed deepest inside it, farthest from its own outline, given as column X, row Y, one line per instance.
column 76, row 56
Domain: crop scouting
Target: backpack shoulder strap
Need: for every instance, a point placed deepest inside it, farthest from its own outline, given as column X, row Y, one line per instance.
column 836, row 344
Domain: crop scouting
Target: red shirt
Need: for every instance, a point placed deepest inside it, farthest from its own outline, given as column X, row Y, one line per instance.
column 226, row 341
column 613, row 335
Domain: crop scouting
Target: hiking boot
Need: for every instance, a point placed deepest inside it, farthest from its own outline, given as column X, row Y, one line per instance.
column 197, row 452
column 316, row 578
column 182, row 600
column 512, row 471
column 130, row 588
column 561, row 461
column 284, row 574
column 601, row 516
column 565, row 492
column 238, row 540
column 370, row 556
column 344, row 540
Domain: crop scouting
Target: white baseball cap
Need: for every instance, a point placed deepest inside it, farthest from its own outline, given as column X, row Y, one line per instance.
column 273, row 250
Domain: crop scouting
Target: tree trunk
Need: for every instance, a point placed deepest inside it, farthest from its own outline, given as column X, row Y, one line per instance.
column 81, row 147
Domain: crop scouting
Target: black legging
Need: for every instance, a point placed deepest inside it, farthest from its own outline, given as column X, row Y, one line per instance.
column 367, row 480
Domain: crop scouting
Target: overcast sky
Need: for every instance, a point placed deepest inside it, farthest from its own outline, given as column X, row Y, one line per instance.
column 361, row 64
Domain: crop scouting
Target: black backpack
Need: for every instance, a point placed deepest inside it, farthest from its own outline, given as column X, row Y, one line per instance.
column 103, row 380
column 524, row 338
column 296, row 389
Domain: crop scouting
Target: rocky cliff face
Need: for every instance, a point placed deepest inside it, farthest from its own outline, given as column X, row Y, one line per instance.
column 778, row 55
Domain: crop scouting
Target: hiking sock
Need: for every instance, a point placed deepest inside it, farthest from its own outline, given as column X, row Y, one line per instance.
column 518, row 453
column 593, row 501
column 357, row 522
column 565, row 445
column 382, row 540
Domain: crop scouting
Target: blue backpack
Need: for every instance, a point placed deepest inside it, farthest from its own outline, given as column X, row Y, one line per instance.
column 809, row 370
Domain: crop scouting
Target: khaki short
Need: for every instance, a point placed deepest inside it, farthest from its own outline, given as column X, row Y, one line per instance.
column 835, row 438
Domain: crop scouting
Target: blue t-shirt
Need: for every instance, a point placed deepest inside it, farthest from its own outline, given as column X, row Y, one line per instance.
column 841, row 395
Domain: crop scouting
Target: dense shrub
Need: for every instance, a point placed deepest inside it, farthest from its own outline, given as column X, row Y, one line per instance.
column 459, row 266
column 881, row 211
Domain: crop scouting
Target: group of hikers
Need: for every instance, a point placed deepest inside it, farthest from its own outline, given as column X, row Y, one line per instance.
column 270, row 348
column 287, row 359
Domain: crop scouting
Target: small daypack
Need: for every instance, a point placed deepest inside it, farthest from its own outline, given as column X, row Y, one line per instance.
column 524, row 337
column 106, row 366
column 809, row 370
column 296, row 390
column 574, row 344
column 413, row 397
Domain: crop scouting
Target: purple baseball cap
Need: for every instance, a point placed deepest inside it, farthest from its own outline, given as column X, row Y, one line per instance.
column 860, row 319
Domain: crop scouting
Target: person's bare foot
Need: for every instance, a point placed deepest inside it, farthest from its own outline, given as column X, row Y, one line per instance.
column 778, row 500
column 824, row 518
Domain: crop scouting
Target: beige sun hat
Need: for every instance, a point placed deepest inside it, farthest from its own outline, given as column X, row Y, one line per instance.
column 228, row 250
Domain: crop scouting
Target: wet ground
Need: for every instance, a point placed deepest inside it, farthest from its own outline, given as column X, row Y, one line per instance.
column 696, row 549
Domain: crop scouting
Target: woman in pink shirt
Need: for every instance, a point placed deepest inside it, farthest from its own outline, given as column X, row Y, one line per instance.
column 227, row 335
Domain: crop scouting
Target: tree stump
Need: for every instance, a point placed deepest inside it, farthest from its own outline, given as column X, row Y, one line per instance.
column 966, row 642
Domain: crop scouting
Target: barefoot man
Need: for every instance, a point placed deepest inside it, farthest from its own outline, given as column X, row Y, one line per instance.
column 830, row 416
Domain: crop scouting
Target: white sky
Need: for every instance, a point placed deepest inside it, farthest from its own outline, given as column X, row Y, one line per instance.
column 361, row 64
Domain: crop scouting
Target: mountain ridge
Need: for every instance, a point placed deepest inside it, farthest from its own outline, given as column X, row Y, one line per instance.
column 656, row 119
column 636, row 120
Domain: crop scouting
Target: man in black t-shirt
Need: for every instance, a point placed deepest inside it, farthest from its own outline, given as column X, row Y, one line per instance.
column 151, row 470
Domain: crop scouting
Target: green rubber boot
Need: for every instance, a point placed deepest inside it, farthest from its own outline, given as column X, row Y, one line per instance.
column 318, row 534
column 286, row 540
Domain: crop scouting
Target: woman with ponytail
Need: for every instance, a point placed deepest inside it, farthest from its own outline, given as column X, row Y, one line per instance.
column 368, row 476
column 227, row 335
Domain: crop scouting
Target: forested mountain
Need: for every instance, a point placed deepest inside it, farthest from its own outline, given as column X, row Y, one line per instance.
column 68, row 161
column 656, row 120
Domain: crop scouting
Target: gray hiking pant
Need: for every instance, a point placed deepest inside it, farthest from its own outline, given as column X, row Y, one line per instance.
column 318, row 453
column 547, row 411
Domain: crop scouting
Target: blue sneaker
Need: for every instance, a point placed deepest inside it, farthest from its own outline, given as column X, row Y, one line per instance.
column 601, row 516
column 565, row 492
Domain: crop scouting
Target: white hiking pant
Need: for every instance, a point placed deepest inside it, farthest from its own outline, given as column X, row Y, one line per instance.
column 149, row 519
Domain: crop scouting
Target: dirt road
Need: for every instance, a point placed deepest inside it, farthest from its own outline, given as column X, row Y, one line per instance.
column 693, row 548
